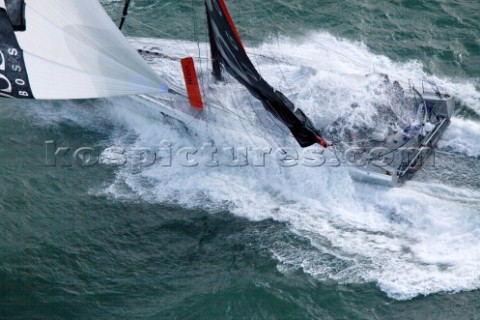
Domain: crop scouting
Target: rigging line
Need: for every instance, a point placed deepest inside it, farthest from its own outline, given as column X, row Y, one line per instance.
column 235, row 97
column 247, row 120
column 207, row 53
column 267, row 135
column 262, row 122
column 197, row 115
column 229, row 84
column 340, row 53
column 223, row 108
column 209, row 64
column 267, row 57
column 162, row 32
column 329, row 49
column 265, row 37
column 272, row 118
column 208, row 58
column 212, row 106
column 208, row 104
column 237, row 102
column 194, row 117
column 261, row 132
column 153, row 28
column 197, row 40
column 258, row 67
column 289, row 87
column 245, row 117
column 226, row 111
column 404, row 79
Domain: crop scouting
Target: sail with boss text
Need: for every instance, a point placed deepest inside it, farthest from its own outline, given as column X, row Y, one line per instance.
column 68, row 49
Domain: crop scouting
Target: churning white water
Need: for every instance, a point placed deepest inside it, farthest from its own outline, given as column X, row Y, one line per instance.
column 421, row 238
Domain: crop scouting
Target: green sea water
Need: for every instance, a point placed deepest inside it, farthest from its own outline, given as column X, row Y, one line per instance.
column 80, row 243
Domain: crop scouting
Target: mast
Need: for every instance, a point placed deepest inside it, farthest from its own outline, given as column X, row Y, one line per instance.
column 124, row 14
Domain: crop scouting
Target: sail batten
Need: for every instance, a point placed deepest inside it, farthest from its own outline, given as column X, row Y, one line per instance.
column 72, row 50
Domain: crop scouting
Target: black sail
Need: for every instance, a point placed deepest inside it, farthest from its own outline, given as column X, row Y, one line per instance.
column 227, row 49
column 14, row 81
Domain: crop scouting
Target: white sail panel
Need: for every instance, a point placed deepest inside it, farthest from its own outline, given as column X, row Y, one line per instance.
column 73, row 50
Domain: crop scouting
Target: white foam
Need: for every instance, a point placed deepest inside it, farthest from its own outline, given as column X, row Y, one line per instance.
column 409, row 241
column 462, row 137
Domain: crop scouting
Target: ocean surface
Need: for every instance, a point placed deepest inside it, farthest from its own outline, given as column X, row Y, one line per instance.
column 148, row 241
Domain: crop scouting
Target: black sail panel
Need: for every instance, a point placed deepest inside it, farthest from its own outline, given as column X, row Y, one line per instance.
column 229, row 51
column 217, row 71
column 14, row 82
column 16, row 13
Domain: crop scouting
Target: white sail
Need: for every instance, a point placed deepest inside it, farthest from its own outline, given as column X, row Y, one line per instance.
column 73, row 50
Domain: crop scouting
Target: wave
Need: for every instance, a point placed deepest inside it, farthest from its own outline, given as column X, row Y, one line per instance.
column 462, row 137
column 419, row 239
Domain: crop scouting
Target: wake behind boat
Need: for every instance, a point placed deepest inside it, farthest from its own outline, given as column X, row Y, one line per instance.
column 46, row 42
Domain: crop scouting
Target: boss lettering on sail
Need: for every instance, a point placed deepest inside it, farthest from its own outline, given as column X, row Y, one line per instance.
column 12, row 87
column 14, row 81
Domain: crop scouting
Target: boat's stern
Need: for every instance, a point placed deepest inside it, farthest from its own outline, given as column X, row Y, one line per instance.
column 405, row 152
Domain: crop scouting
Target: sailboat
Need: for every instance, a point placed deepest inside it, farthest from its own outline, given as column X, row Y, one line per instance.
column 71, row 49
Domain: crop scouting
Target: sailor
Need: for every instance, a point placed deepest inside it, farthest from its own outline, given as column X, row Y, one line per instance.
column 397, row 89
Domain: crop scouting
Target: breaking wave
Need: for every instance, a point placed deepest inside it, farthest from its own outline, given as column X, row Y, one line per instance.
column 419, row 239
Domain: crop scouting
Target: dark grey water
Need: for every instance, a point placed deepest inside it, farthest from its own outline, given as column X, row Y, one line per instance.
column 105, row 242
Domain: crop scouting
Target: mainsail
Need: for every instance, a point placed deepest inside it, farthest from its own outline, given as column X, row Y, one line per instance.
column 227, row 50
column 67, row 49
